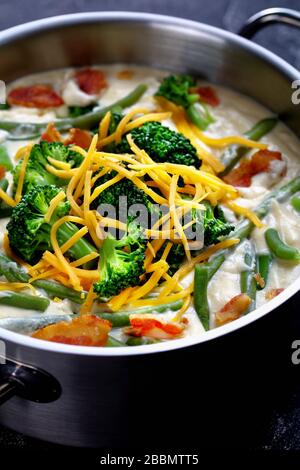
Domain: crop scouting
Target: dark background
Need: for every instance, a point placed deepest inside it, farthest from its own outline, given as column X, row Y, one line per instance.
column 267, row 417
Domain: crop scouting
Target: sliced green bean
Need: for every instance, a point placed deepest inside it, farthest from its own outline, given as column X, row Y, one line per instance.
column 120, row 319
column 263, row 265
column 234, row 153
column 29, row 302
column 114, row 343
column 86, row 121
column 295, row 201
column 5, row 160
column 247, row 279
column 141, row 341
column 205, row 271
column 15, row 273
column 199, row 115
column 280, row 249
column 201, row 280
column 5, row 209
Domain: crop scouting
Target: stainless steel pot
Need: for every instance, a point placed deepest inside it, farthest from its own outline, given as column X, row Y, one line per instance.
column 88, row 396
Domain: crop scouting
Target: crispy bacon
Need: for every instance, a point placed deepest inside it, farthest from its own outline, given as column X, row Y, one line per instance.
column 51, row 134
column 2, row 172
column 152, row 328
column 35, row 96
column 86, row 330
column 258, row 163
column 79, row 137
column 125, row 74
column 259, row 280
column 76, row 136
column 208, row 95
column 271, row 293
column 90, row 81
column 233, row 309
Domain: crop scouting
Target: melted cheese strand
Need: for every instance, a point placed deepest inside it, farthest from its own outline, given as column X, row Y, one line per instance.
column 246, row 213
column 53, row 205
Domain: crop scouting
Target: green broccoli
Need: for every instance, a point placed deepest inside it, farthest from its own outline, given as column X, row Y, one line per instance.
column 36, row 173
column 162, row 144
column 29, row 233
column 121, row 263
column 175, row 258
column 177, row 88
column 123, row 188
column 75, row 111
column 215, row 224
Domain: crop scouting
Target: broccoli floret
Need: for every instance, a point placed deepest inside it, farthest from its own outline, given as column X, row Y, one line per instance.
column 162, row 144
column 125, row 187
column 121, row 263
column 116, row 116
column 29, row 233
column 176, row 88
column 76, row 111
column 215, row 224
column 36, row 173
column 175, row 257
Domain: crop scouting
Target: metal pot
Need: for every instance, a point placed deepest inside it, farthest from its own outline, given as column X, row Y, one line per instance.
column 89, row 396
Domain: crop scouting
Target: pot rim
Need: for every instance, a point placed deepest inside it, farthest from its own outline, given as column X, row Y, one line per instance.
column 27, row 29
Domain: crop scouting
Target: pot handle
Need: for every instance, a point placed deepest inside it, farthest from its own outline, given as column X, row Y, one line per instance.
column 267, row 17
column 28, row 382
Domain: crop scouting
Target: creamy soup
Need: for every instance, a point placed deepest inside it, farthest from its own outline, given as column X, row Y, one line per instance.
column 177, row 143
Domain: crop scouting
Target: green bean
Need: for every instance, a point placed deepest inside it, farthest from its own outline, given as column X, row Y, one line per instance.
column 141, row 341
column 201, row 280
column 15, row 273
column 199, row 115
column 5, row 209
column 5, row 161
column 244, row 228
column 295, row 201
column 114, row 343
column 122, row 318
column 247, row 279
column 263, row 264
column 205, row 271
column 215, row 263
column 86, row 121
column 280, row 249
column 234, row 153
column 54, row 289
column 29, row 302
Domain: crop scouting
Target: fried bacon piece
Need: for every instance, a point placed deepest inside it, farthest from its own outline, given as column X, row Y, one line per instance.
column 208, row 95
column 125, row 74
column 90, row 81
column 2, row 172
column 51, row 134
column 233, row 309
column 76, row 136
column 35, row 96
column 79, row 137
column 86, row 330
column 271, row 293
column 260, row 162
column 152, row 328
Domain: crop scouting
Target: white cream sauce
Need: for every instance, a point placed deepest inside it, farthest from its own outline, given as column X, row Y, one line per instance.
column 235, row 115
